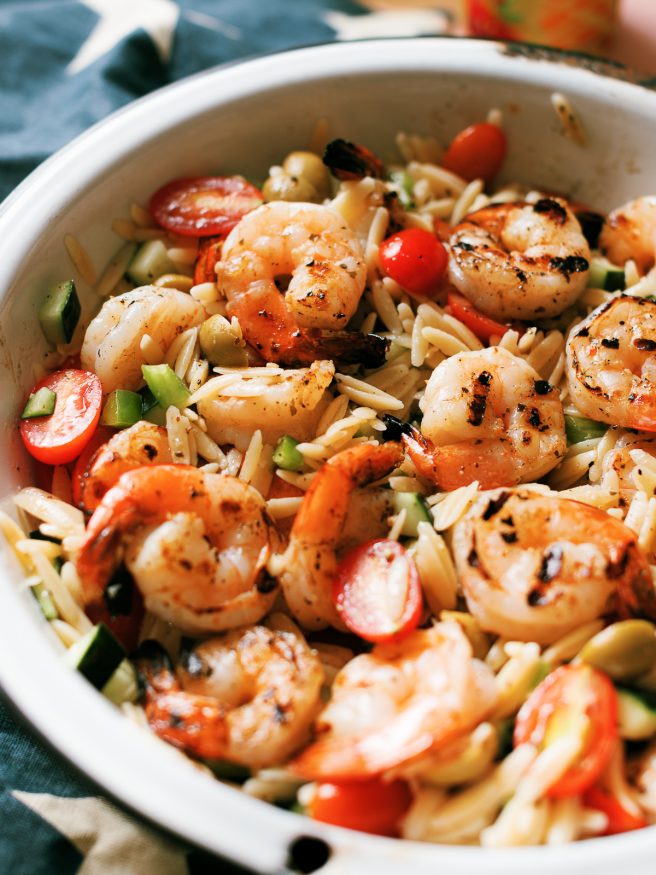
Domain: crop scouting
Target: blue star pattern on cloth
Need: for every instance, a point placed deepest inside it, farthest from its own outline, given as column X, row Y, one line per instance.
column 65, row 66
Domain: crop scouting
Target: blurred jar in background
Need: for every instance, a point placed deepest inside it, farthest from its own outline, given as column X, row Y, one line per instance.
column 566, row 24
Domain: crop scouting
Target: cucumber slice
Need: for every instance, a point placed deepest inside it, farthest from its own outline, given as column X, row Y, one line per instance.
column 44, row 599
column 416, row 511
column 122, row 685
column 122, row 409
column 60, row 312
column 286, row 456
column 40, row 403
column 150, row 261
column 578, row 429
column 166, row 386
column 150, row 409
column 96, row 655
column 607, row 276
column 636, row 713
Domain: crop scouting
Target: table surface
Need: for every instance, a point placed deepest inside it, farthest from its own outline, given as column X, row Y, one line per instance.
column 633, row 41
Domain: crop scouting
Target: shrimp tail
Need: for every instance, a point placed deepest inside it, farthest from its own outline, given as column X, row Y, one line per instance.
column 349, row 347
column 349, row 161
column 420, row 449
column 154, row 670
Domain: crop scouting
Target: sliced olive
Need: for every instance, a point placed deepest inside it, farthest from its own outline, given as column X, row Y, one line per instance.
column 283, row 187
column 471, row 758
column 623, row 650
column 308, row 166
column 220, row 345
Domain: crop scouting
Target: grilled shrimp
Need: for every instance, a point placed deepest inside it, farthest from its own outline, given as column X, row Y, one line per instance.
column 398, row 702
column 619, row 459
column 488, row 416
column 611, row 363
column 290, row 403
column 520, row 261
column 141, row 444
column 630, row 232
column 111, row 346
column 307, row 567
column 248, row 696
column 196, row 544
column 535, row 567
column 312, row 245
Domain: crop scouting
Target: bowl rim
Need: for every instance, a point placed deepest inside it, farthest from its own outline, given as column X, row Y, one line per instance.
column 166, row 791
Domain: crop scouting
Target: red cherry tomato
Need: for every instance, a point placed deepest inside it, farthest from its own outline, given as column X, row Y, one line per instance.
column 566, row 697
column 61, row 437
column 483, row 327
column 209, row 252
column 204, row 205
column 619, row 819
column 82, row 463
column 477, row 152
column 377, row 591
column 415, row 259
column 369, row 806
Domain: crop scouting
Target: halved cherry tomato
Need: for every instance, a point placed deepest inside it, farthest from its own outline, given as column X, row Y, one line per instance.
column 416, row 259
column 477, row 152
column 61, row 437
column 369, row 806
column 78, row 477
column 204, row 205
column 377, row 591
column 619, row 819
column 483, row 327
column 209, row 252
column 577, row 698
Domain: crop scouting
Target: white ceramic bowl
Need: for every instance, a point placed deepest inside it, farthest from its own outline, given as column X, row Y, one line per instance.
column 242, row 119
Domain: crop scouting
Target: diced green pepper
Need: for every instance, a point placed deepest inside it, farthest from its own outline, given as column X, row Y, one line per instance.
column 166, row 386
column 578, row 429
column 40, row 403
column 405, row 184
column 122, row 409
column 286, row 456
column 604, row 275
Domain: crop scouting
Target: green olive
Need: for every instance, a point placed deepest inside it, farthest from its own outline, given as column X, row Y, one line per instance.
column 220, row 345
column 283, row 187
column 623, row 650
column 479, row 640
column 308, row 166
column 471, row 758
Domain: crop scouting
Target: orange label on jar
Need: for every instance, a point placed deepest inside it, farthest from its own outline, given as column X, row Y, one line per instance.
column 566, row 24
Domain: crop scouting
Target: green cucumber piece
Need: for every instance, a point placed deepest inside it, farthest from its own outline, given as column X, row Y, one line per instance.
column 636, row 714
column 150, row 261
column 45, row 602
column 607, row 276
column 60, row 312
column 40, row 403
column 578, row 429
column 150, row 409
column 122, row 409
column 416, row 511
column 229, row 771
column 122, row 685
column 96, row 655
column 286, row 456
column 166, row 386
